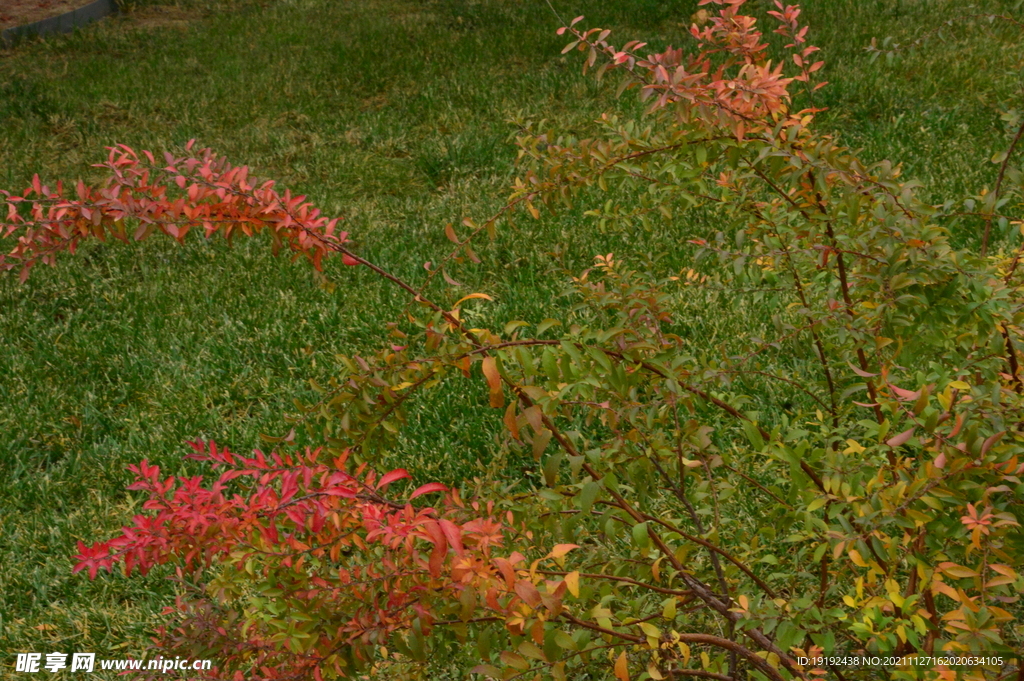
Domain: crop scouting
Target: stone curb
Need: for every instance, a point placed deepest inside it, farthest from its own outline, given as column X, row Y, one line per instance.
column 64, row 23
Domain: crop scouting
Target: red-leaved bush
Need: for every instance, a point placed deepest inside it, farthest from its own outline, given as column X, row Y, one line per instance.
column 348, row 564
column 213, row 196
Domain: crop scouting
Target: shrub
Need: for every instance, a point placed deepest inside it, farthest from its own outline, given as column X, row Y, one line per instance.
column 677, row 532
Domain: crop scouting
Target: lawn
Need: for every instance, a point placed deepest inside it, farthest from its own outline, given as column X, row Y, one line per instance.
column 396, row 116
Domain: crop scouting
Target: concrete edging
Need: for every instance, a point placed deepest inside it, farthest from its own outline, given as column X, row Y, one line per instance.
column 63, row 23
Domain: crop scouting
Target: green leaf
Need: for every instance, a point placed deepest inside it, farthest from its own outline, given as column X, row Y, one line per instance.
column 514, row 660
column 547, row 324
column 550, row 365
column 483, row 643
column 531, row 650
column 753, row 435
column 640, row 535
column 551, row 468
column 565, row 641
column 540, row 443
column 588, row 495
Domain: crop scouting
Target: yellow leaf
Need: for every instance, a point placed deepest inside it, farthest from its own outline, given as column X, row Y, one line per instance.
column 959, row 385
column 1000, row 614
column 857, row 559
column 957, row 571
column 854, row 448
column 850, row 601
column 572, row 583
column 650, row 630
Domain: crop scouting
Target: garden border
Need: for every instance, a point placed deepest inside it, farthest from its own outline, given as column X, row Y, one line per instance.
column 62, row 23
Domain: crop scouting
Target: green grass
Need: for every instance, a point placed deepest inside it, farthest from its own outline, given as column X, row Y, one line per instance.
column 393, row 115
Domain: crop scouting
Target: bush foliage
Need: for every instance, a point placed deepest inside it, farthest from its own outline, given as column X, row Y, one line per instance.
column 676, row 533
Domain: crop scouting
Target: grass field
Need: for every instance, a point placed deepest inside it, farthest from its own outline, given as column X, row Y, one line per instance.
column 393, row 114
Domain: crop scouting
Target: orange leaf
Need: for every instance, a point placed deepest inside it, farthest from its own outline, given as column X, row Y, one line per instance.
column 535, row 417
column 471, row 296
column 493, row 382
column 959, row 425
column 622, row 667
column 510, row 420
column 562, row 549
column 1003, row 569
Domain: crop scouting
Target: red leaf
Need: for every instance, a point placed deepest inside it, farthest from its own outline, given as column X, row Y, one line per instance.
column 861, row 372
column 906, row 395
column 505, row 567
column 901, row 438
column 427, row 489
column 528, row 592
column 958, row 426
column 453, row 534
column 397, row 474
column 992, row 439
column 436, row 561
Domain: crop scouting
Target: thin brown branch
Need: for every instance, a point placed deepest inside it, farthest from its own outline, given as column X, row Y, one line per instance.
column 711, row 547
column 625, row 580
column 699, row 673
column 998, row 188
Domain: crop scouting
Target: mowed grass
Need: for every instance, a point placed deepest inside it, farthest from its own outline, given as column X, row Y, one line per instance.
column 393, row 115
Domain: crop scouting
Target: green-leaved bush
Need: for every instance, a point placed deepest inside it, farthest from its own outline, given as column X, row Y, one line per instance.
column 676, row 533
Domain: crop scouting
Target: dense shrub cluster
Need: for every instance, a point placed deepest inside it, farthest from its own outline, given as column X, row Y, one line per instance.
column 677, row 533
